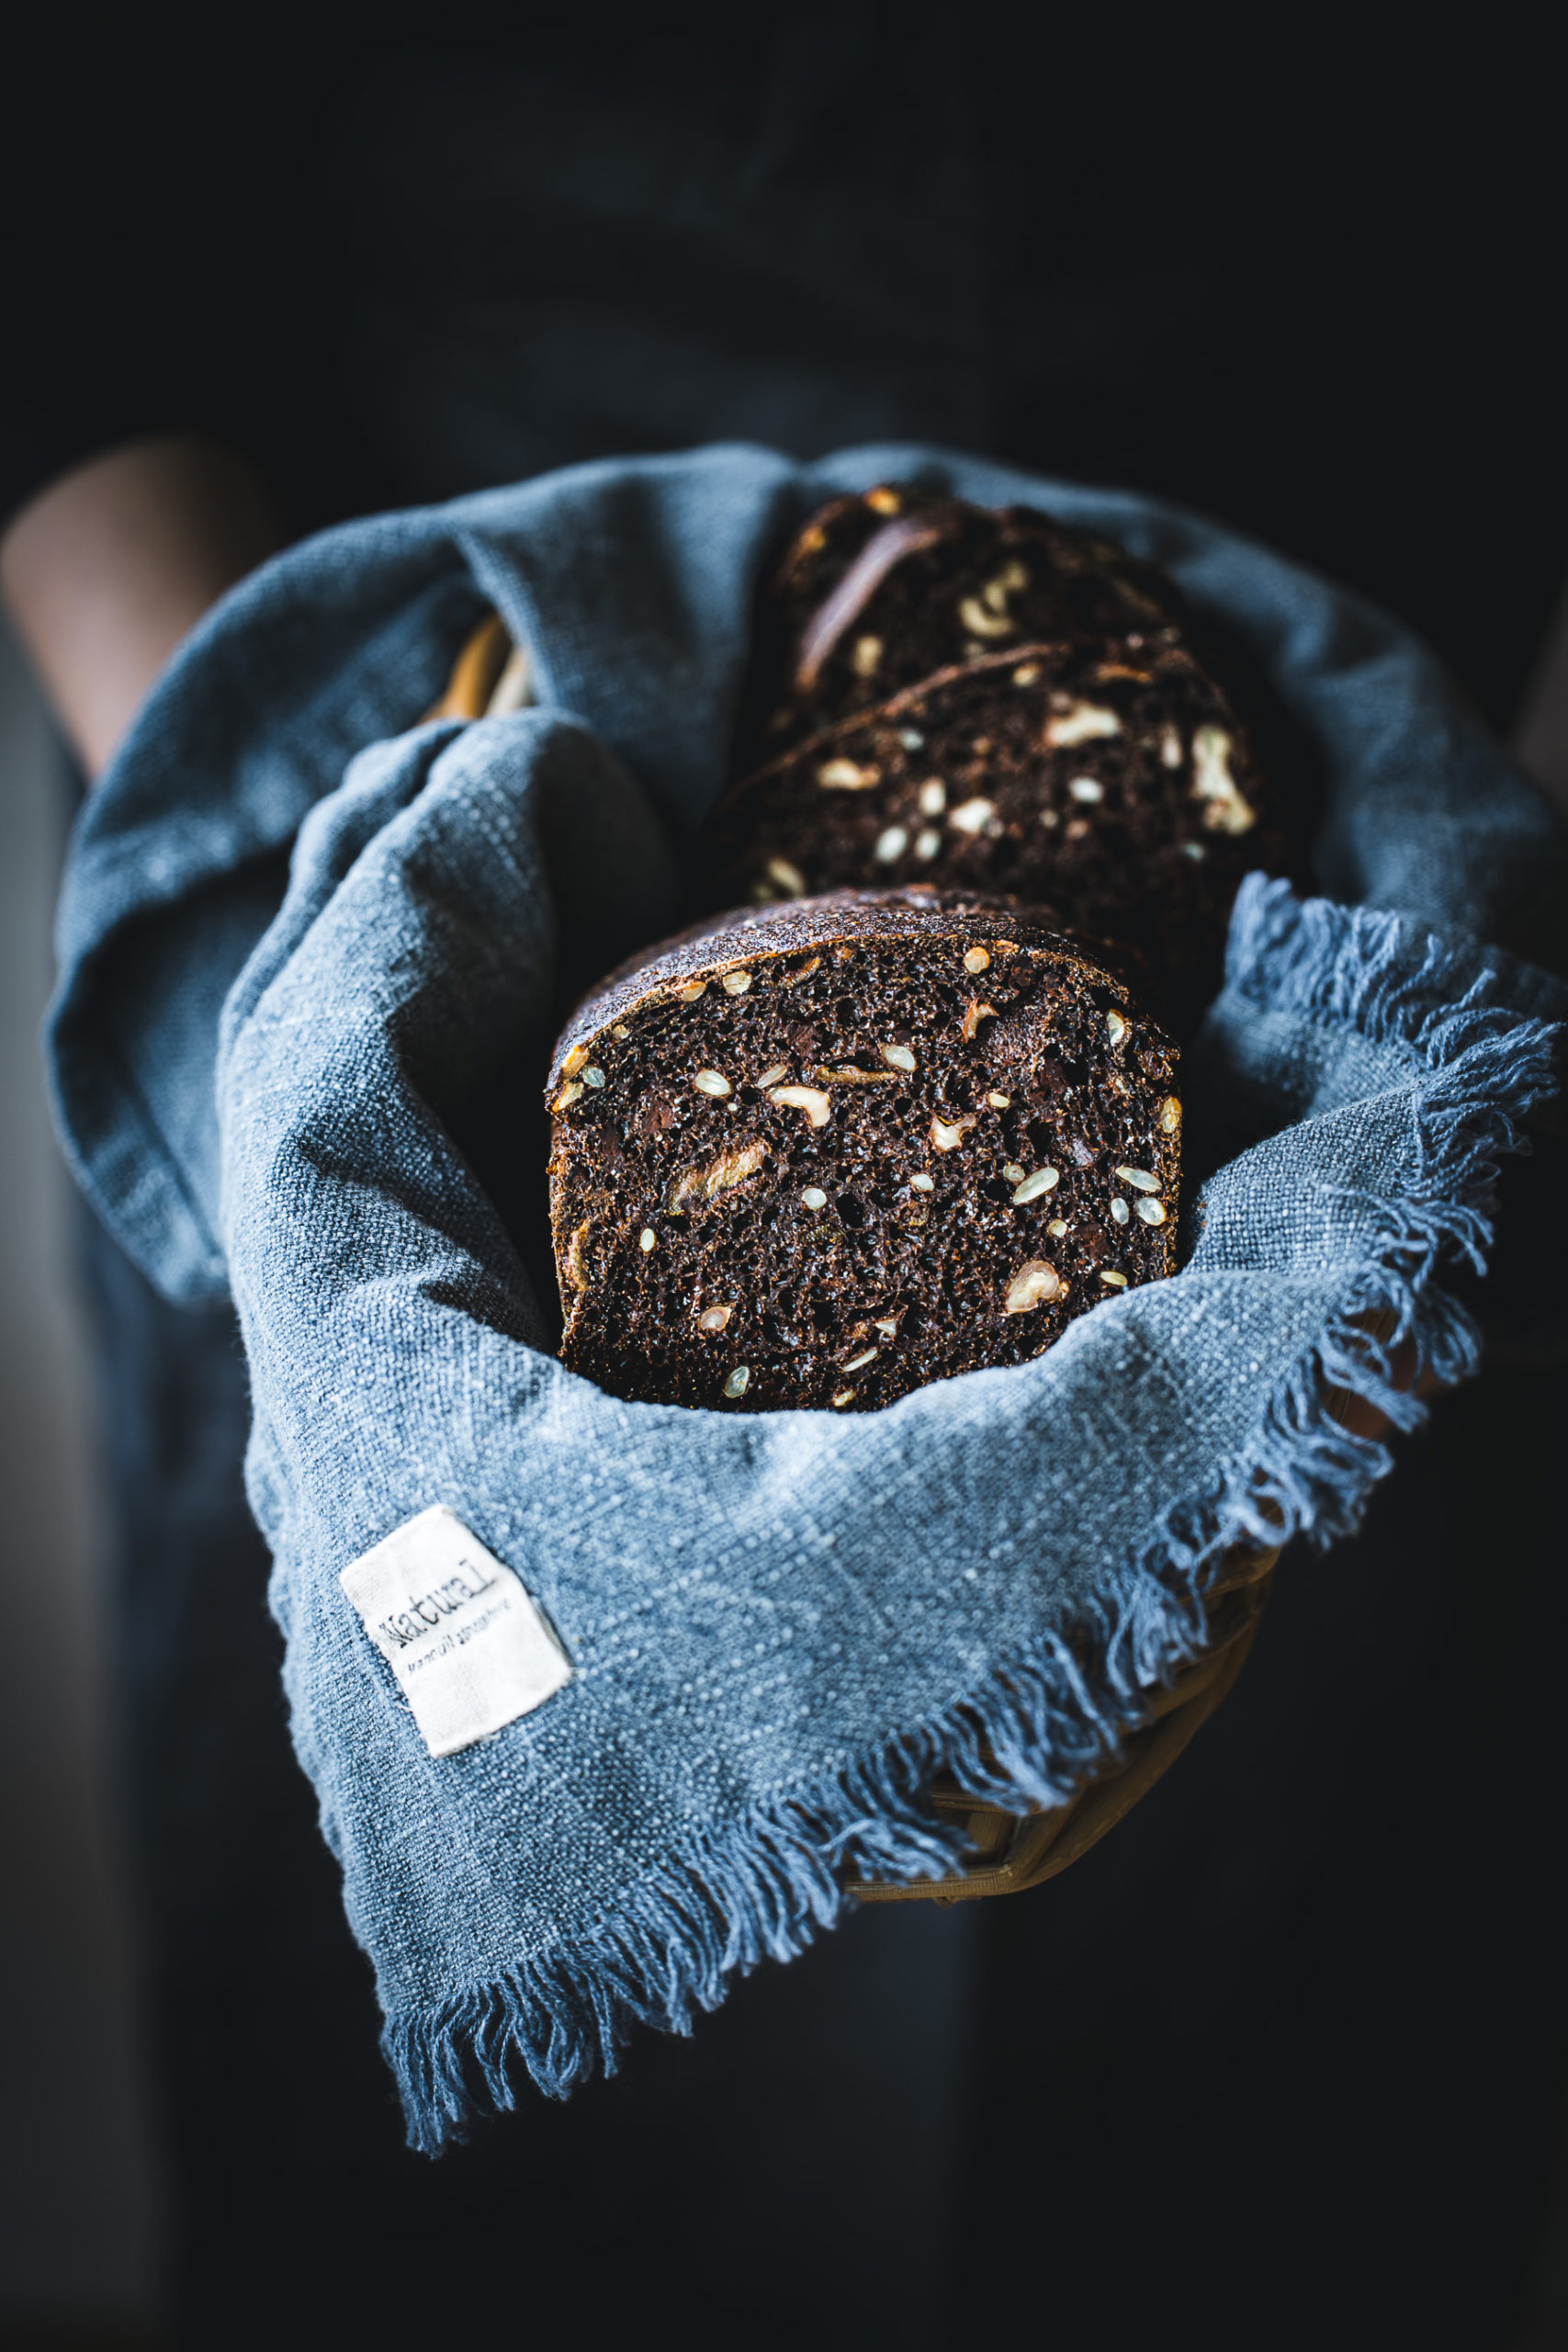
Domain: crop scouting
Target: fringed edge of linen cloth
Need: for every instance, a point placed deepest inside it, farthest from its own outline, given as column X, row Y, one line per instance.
column 1028, row 1736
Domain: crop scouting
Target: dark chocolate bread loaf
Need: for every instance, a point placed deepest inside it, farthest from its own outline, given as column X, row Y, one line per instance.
column 1109, row 779
column 822, row 1154
column 878, row 591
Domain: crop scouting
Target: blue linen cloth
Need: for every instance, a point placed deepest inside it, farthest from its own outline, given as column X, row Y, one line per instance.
column 298, row 924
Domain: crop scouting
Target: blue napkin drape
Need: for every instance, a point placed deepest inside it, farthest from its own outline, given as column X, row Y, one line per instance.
column 298, row 925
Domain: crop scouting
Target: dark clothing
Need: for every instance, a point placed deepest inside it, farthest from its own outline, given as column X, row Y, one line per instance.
column 1311, row 296
column 1290, row 2043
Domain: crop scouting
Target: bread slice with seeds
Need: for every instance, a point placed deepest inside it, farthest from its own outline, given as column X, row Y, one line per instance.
column 1111, row 781
column 879, row 589
column 820, row 1155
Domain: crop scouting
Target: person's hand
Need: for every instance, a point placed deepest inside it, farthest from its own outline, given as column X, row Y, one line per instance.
column 110, row 568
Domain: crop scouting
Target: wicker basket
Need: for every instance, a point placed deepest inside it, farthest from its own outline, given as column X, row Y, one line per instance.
column 1011, row 1851
column 489, row 678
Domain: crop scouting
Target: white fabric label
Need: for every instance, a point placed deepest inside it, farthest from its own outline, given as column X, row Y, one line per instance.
column 469, row 1647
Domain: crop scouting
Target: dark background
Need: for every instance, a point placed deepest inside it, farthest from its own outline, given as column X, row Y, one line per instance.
column 1302, row 275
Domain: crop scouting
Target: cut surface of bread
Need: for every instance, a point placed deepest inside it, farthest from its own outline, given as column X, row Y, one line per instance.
column 1109, row 780
column 878, row 590
column 820, row 1155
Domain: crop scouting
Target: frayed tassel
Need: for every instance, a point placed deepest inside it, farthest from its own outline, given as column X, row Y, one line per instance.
column 1040, row 1725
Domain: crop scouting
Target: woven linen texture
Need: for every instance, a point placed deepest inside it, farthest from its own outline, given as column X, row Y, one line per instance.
column 299, row 926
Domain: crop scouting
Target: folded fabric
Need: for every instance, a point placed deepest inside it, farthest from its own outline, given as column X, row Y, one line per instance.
column 602, row 1700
